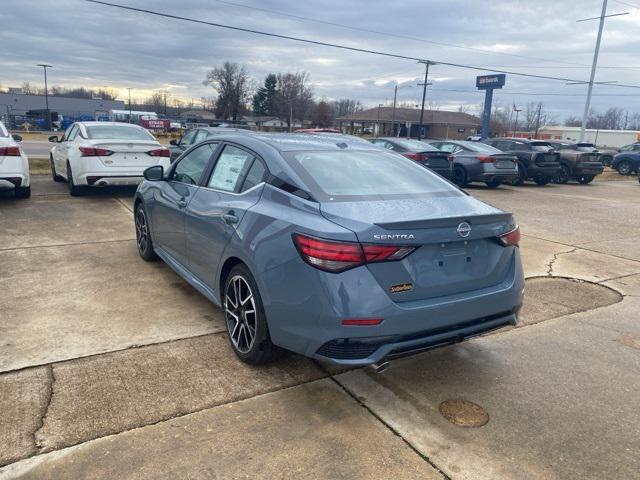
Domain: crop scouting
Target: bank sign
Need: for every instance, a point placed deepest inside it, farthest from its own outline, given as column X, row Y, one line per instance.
column 484, row 82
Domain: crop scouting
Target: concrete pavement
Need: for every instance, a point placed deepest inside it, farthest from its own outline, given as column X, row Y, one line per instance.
column 560, row 390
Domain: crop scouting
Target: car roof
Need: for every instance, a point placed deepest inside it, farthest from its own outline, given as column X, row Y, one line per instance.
column 518, row 139
column 289, row 142
column 92, row 123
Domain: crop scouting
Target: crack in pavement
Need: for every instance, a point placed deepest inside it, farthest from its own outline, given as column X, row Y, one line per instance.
column 555, row 258
column 37, row 440
column 71, row 244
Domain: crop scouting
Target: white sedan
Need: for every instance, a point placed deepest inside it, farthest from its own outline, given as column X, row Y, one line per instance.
column 104, row 153
column 14, row 166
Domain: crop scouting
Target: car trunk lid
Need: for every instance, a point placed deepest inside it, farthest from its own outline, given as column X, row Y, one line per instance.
column 128, row 153
column 454, row 239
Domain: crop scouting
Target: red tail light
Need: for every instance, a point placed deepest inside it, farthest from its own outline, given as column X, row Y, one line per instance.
column 9, row 152
column 160, row 152
column 511, row 238
column 94, row 152
column 361, row 322
column 332, row 256
column 450, row 158
column 486, row 159
column 412, row 156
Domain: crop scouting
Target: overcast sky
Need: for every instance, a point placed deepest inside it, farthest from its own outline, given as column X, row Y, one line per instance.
column 95, row 46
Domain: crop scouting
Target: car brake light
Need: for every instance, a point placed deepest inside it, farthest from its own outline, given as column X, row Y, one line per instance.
column 9, row 152
column 94, row 152
column 450, row 158
column 486, row 159
column 332, row 256
column 160, row 152
column 361, row 322
column 511, row 238
column 412, row 156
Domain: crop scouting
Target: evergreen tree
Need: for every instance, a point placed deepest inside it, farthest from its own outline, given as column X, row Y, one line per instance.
column 263, row 99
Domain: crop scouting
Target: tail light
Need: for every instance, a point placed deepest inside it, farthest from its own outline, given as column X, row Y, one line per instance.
column 412, row 155
column 511, row 238
column 361, row 322
column 332, row 256
column 485, row 159
column 9, row 152
column 160, row 152
column 94, row 152
column 450, row 158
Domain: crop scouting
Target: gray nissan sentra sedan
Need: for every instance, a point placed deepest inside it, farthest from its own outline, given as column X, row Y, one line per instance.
column 334, row 249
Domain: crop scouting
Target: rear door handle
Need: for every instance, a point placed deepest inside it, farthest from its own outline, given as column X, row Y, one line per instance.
column 230, row 218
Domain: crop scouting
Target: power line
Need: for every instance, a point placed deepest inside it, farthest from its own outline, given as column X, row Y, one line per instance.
column 396, row 35
column 342, row 47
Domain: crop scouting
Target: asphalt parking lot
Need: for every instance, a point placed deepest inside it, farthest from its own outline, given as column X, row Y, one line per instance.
column 114, row 367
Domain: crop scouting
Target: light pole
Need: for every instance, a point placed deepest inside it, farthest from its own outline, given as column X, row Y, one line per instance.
column 378, row 124
column 587, row 104
column 515, row 124
column 393, row 114
column 46, row 93
column 129, row 88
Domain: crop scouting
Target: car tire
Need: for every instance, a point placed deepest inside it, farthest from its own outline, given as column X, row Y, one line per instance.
column 460, row 176
column 23, row 192
column 606, row 160
column 585, row 179
column 493, row 183
column 564, row 175
column 624, row 168
column 143, row 235
column 522, row 175
column 245, row 318
column 74, row 190
column 54, row 174
column 541, row 180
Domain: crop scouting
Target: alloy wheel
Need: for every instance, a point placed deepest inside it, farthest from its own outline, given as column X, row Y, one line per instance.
column 142, row 231
column 240, row 314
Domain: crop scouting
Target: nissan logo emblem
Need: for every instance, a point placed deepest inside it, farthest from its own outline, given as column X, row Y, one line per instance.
column 464, row 229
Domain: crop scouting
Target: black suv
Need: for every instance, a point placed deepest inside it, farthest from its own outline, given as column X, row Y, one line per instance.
column 577, row 162
column 537, row 160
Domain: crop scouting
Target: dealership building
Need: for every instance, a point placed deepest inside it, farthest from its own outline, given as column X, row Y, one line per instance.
column 15, row 107
column 389, row 121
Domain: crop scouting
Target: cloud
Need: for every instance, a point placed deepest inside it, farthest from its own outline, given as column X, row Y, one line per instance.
column 95, row 46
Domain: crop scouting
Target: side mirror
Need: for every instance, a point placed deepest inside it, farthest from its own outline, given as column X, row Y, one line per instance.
column 17, row 138
column 173, row 142
column 53, row 139
column 154, row 174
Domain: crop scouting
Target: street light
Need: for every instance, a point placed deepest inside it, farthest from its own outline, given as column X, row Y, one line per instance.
column 129, row 88
column 46, row 93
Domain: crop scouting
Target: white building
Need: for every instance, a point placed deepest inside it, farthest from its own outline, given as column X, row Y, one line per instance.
column 601, row 138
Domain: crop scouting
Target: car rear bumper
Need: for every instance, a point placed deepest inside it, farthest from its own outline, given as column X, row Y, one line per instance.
column 504, row 177
column 101, row 180
column 588, row 169
column 10, row 181
column 544, row 171
column 91, row 171
column 307, row 317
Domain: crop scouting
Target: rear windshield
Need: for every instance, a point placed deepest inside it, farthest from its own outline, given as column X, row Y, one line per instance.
column 362, row 175
column 118, row 132
column 541, row 146
column 481, row 147
column 415, row 145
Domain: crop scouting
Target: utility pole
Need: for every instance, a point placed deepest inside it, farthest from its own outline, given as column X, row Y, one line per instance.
column 587, row 104
column 424, row 94
column 393, row 114
column 538, row 118
column 129, row 88
column 378, row 124
column 46, row 93
column 515, row 124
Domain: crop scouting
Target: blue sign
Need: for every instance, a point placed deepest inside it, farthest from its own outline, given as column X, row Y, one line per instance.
column 483, row 82
column 488, row 83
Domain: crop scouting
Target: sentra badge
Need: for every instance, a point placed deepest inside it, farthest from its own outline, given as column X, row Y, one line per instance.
column 401, row 287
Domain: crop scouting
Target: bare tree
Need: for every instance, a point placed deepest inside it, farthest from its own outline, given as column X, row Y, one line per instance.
column 346, row 106
column 294, row 97
column 233, row 86
column 28, row 89
column 573, row 121
column 155, row 101
column 322, row 115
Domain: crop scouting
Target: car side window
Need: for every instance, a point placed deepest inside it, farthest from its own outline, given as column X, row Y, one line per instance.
column 517, row 146
column 230, row 169
column 255, row 175
column 200, row 136
column 190, row 167
column 384, row 143
column 73, row 133
column 65, row 137
column 187, row 138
